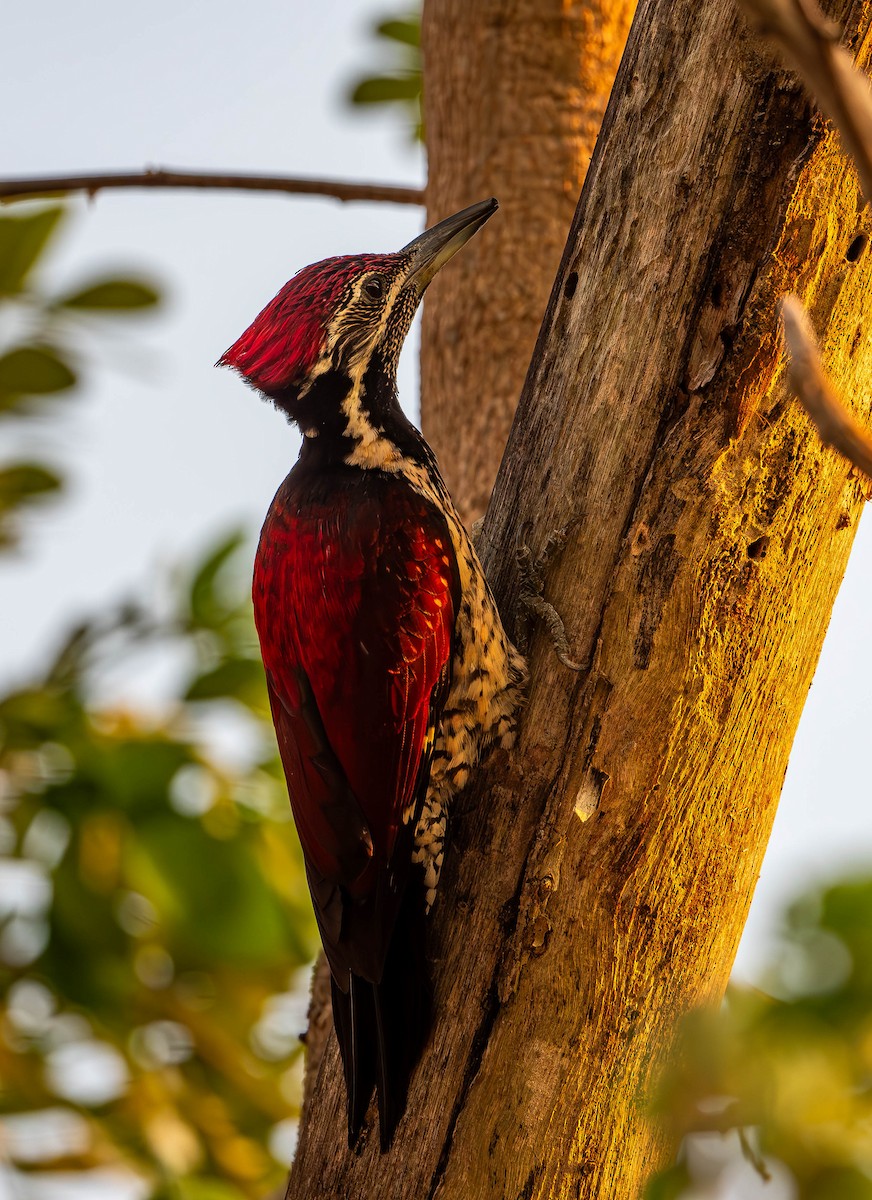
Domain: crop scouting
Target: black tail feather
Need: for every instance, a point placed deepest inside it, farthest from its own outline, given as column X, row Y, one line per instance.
column 382, row 1027
column 353, row 1018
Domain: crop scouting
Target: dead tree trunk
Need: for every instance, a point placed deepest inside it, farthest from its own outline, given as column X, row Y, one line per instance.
column 599, row 878
column 514, row 98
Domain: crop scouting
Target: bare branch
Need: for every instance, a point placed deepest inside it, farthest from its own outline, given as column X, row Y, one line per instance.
column 836, row 426
column 810, row 44
column 162, row 177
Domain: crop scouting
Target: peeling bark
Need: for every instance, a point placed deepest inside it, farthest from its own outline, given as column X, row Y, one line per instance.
column 598, row 879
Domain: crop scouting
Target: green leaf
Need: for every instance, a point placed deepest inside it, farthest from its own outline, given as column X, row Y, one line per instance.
column 670, row 1184
column 198, row 1188
column 406, row 30
column 212, row 894
column 22, row 240
column 839, row 1183
column 399, row 80
column 208, row 609
column 386, row 89
column 33, row 371
column 26, row 481
column 33, row 714
column 240, row 678
column 113, row 295
column 134, row 774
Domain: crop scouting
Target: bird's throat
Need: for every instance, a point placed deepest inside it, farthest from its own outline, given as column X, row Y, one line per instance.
column 354, row 416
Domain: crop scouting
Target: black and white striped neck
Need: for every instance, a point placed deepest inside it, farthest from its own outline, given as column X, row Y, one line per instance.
column 355, row 418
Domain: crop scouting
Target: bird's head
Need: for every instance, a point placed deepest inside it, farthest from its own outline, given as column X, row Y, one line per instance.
column 330, row 340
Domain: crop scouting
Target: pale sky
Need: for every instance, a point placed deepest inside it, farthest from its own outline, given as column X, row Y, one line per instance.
column 163, row 450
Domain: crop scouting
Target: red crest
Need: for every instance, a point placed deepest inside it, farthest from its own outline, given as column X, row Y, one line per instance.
column 284, row 341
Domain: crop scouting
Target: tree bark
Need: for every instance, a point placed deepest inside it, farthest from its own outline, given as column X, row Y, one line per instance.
column 599, row 877
column 515, row 93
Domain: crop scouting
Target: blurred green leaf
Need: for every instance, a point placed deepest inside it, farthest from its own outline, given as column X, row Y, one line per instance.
column 794, row 1065
column 87, row 952
column 204, row 1189
column 26, row 481
column 670, row 1184
column 842, row 1183
column 386, row 89
column 399, row 79
column 22, row 240
column 170, row 905
column 33, row 715
column 218, row 906
column 208, row 605
column 108, row 295
column 237, row 678
column 33, row 371
column 134, row 773
column 406, row 30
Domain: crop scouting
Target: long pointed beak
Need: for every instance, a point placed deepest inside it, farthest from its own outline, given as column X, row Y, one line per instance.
column 432, row 250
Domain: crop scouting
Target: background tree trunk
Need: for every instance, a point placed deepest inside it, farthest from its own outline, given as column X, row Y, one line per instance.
column 515, row 92
column 599, row 878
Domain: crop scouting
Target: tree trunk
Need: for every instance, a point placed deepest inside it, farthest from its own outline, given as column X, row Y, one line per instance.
column 598, row 878
column 514, row 98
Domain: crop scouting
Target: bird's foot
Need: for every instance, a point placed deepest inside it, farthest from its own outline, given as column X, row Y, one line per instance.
column 533, row 604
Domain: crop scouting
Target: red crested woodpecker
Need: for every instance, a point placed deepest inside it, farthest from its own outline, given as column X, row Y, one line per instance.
column 388, row 669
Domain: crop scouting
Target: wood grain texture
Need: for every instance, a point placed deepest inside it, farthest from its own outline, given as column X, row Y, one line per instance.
column 515, row 93
column 599, row 878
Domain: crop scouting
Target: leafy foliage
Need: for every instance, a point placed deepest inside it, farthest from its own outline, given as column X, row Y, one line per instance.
column 788, row 1068
column 111, row 294
column 153, row 907
column 22, row 240
column 168, row 909
column 400, row 81
column 37, row 367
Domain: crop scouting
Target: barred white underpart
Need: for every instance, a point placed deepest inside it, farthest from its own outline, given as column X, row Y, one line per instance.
column 487, row 686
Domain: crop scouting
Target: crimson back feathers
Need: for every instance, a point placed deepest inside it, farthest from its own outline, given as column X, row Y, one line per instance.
column 387, row 666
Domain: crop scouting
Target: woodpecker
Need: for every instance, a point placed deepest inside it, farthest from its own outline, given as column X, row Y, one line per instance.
column 388, row 669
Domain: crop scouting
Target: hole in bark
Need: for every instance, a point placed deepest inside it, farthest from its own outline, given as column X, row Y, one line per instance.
column 717, row 295
column 570, row 285
column 856, row 247
column 640, row 540
column 757, row 549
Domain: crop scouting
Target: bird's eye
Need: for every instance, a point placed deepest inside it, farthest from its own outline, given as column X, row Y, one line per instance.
column 374, row 287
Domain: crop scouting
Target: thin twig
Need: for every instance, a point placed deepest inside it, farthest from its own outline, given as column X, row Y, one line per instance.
column 836, row 426
column 162, row 177
column 752, row 1155
column 810, row 44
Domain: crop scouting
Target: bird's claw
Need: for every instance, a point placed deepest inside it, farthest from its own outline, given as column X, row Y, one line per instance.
column 534, row 604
